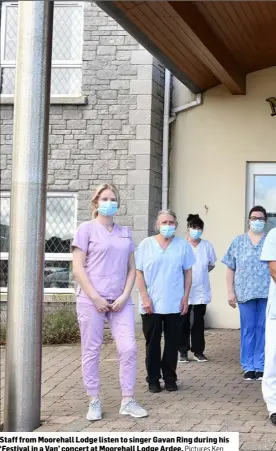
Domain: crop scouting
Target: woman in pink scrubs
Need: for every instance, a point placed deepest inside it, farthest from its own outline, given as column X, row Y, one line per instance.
column 104, row 267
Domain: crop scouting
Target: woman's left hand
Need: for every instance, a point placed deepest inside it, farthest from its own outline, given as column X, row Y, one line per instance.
column 184, row 306
column 119, row 303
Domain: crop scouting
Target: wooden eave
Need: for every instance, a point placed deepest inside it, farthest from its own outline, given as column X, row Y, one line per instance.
column 203, row 43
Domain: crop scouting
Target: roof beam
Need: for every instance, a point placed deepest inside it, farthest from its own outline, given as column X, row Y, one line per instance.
column 206, row 45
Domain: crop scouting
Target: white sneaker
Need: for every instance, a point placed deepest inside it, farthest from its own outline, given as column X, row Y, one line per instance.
column 133, row 409
column 95, row 411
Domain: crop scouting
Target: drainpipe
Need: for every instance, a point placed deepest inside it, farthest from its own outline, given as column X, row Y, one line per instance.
column 165, row 153
column 167, row 120
column 198, row 101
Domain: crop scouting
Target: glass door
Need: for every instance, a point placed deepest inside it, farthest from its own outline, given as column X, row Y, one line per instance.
column 261, row 189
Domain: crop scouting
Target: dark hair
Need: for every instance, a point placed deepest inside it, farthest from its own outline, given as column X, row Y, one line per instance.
column 195, row 221
column 259, row 209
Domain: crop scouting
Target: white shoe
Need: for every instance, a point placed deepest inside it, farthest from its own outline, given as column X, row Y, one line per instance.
column 95, row 411
column 133, row 409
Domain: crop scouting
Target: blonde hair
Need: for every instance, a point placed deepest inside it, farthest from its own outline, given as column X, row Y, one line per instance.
column 97, row 194
column 165, row 212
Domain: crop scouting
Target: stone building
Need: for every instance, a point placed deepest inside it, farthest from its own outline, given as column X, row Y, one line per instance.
column 106, row 120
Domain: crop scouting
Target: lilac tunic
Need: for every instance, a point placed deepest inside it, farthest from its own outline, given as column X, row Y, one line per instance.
column 107, row 256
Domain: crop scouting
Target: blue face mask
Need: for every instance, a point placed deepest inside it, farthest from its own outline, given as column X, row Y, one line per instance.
column 107, row 208
column 167, row 231
column 195, row 234
column 257, row 226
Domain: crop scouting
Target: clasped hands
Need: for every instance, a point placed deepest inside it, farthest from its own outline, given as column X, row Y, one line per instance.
column 103, row 306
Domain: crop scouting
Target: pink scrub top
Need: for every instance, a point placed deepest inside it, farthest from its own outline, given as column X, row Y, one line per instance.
column 107, row 256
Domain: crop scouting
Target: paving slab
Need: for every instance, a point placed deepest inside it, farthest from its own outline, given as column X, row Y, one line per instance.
column 212, row 396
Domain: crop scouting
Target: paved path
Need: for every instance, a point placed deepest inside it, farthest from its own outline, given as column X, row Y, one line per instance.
column 211, row 396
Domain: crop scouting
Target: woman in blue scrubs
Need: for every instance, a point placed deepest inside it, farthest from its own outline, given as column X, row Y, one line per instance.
column 248, row 281
column 164, row 277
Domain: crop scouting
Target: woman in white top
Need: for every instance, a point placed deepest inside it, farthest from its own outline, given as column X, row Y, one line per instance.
column 200, row 294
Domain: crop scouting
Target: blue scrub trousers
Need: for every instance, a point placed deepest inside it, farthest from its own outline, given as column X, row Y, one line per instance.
column 252, row 319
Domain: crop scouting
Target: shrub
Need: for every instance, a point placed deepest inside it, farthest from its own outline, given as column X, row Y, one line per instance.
column 59, row 327
column 2, row 334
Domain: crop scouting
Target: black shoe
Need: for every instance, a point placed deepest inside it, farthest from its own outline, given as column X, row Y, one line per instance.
column 147, row 378
column 259, row 375
column 200, row 358
column 183, row 357
column 249, row 376
column 273, row 418
column 154, row 387
column 171, row 386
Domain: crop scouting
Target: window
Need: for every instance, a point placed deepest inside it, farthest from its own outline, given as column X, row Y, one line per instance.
column 66, row 53
column 261, row 189
column 60, row 227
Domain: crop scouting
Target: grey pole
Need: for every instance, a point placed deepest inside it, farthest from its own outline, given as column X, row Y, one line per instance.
column 28, row 210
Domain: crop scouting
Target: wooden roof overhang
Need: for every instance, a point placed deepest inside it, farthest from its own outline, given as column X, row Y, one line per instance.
column 203, row 43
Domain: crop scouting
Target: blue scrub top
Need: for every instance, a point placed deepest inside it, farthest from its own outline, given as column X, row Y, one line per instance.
column 163, row 272
column 252, row 275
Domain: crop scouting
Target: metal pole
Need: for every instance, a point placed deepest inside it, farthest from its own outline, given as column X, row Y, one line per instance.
column 165, row 153
column 28, row 209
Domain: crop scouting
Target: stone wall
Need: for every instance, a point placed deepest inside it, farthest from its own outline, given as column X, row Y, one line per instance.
column 116, row 137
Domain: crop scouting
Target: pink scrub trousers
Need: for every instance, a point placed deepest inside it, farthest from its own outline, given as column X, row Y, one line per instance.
column 122, row 327
column 107, row 255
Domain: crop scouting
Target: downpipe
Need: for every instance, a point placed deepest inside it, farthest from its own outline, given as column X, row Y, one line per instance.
column 167, row 120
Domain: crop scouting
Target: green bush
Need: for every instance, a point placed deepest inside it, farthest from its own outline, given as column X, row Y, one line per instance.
column 2, row 334
column 59, row 327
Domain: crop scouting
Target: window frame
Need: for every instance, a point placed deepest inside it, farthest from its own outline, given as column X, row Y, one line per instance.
column 63, row 64
column 49, row 256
